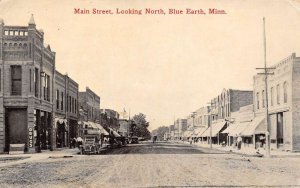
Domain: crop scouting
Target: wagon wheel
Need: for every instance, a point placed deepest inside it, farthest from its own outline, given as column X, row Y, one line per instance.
column 92, row 149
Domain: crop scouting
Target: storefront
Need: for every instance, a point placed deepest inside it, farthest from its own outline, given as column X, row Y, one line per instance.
column 215, row 131
column 61, row 132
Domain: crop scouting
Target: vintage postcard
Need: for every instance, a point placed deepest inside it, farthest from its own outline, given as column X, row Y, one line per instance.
column 173, row 93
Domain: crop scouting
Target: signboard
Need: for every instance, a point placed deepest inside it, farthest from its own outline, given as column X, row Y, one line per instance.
column 30, row 133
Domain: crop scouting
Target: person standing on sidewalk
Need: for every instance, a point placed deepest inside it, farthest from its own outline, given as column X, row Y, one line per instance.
column 239, row 142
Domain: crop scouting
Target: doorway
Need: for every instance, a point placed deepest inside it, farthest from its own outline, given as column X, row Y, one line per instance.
column 15, row 127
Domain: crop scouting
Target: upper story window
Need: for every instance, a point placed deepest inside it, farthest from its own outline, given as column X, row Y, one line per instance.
column 75, row 106
column 263, row 98
column 278, row 94
column 11, row 33
column 62, row 101
column 6, row 32
column 257, row 100
column 36, row 81
column 46, row 87
column 16, row 80
column 57, row 99
column 285, row 95
column 272, row 96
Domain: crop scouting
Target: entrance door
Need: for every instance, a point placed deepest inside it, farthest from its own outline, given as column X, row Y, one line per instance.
column 60, row 135
column 15, row 126
column 279, row 129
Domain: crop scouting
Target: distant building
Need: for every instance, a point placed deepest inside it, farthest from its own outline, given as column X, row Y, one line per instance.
column 89, row 108
column 222, row 107
column 198, row 122
column 180, row 127
column 110, row 113
column 110, row 118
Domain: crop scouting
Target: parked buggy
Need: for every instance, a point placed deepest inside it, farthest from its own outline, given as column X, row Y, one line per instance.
column 91, row 143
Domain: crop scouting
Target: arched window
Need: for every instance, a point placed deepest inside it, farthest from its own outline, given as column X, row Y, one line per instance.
column 263, row 98
column 257, row 100
column 285, row 95
column 272, row 96
column 278, row 94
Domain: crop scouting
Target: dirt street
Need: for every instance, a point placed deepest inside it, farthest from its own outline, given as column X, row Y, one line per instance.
column 153, row 165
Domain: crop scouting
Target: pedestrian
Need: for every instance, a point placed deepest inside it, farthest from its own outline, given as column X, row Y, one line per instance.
column 79, row 142
column 73, row 143
column 239, row 142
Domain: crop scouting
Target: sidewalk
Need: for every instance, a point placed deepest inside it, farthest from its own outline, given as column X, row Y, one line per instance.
column 247, row 150
column 12, row 159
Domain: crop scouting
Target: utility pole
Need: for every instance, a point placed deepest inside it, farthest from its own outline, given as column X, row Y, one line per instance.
column 210, row 125
column 266, row 73
column 193, row 116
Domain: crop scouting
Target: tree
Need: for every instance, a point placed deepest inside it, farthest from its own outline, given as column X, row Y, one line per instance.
column 140, row 126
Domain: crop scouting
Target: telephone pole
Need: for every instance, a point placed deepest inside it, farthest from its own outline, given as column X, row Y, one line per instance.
column 266, row 73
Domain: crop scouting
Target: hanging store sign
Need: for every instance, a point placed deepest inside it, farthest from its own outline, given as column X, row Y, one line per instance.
column 30, row 133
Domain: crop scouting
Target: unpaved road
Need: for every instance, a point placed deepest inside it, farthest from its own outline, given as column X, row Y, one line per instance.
column 153, row 165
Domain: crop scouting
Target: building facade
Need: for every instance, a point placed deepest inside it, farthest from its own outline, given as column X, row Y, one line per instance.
column 180, row 127
column 222, row 106
column 89, row 108
column 283, row 102
column 27, row 82
column 66, row 109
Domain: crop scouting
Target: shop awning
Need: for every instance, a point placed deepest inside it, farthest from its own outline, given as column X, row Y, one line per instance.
column 92, row 125
column 239, row 128
column 187, row 134
column 60, row 120
column 102, row 130
column 230, row 128
column 198, row 131
column 215, row 129
column 114, row 133
column 214, row 111
column 257, row 126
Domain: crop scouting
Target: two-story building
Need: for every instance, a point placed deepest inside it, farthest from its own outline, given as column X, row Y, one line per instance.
column 89, row 109
column 66, row 109
column 222, row 106
column 283, row 103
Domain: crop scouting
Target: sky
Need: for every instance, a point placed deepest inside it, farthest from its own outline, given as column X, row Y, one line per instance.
column 165, row 66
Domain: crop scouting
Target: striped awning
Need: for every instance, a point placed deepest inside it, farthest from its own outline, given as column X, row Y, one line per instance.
column 215, row 129
column 239, row 128
column 257, row 126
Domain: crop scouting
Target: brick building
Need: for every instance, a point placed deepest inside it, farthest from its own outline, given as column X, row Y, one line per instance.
column 89, row 109
column 27, row 69
column 180, row 127
column 66, row 109
column 283, row 103
column 110, row 118
column 222, row 106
